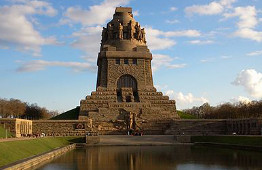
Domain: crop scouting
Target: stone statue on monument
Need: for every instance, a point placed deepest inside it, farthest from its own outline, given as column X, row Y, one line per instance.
column 104, row 35
column 131, row 29
column 143, row 35
column 110, row 30
column 138, row 32
column 120, row 31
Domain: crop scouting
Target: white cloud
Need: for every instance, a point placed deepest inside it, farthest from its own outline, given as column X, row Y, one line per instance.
column 201, row 42
column 96, row 14
column 226, row 57
column 173, row 8
column 88, row 40
column 135, row 13
column 213, row 8
column 158, row 43
column 204, row 61
column 210, row 9
column 247, row 22
column 184, row 33
column 158, row 40
column 251, row 80
column 254, row 53
column 248, row 19
column 185, row 100
column 247, row 16
column 18, row 31
column 207, row 60
column 174, row 66
column 249, row 34
column 160, row 60
column 175, row 21
column 241, row 99
column 189, row 98
column 37, row 65
column 227, row 3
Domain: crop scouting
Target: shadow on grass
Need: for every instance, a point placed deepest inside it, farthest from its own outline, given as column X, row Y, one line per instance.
column 77, row 140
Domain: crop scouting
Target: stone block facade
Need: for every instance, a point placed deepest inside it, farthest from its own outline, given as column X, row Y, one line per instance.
column 216, row 127
column 62, row 127
column 198, row 127
column 19, row 127
column 244, row 126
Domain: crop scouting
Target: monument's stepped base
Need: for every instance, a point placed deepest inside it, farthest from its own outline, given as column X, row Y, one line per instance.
column 153, row 105
column 153, row 116
column 126, row 140
column 157, row 127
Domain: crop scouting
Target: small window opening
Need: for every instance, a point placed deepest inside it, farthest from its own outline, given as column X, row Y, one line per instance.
column 125, row 35
column 135, row 61
column 125, row 61
column 118, row 61
column 128, row 98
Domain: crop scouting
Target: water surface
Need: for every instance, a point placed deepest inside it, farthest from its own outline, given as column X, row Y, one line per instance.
column 180, row 157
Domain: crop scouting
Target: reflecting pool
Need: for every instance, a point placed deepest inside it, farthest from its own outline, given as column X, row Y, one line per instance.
column 179, row 157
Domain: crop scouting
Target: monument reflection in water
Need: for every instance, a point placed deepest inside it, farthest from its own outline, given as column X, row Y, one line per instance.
column 156, row 158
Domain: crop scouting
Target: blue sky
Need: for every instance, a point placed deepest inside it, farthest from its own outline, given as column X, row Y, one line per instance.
column 203, row 51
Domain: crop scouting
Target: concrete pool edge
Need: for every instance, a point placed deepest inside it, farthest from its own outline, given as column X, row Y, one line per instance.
column 128, row 140
column 229, row 146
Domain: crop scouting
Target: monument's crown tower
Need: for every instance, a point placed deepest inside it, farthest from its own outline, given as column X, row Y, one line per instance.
column 124, row 91
column 124, row 59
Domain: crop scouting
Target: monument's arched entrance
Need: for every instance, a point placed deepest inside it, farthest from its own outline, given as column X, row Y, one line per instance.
column 127, row 81
column 127, row 89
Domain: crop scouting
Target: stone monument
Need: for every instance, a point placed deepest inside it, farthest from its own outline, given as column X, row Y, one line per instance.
column 125, row 97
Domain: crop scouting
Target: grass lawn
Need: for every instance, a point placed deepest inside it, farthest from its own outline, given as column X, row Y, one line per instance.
column 185, row 115
column 16, row 150
column 235, row 140
column 3, row 131
column 68, row 115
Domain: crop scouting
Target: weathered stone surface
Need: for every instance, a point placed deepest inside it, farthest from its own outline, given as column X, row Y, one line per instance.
column 124, row 82
column 244, row 126
column 198, row 127
column 62, row 127
column 19, row 127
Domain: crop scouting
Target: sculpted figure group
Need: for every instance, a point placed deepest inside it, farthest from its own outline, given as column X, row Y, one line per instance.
column 118, row 31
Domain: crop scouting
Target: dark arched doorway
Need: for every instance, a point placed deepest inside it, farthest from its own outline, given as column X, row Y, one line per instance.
column 127, row 81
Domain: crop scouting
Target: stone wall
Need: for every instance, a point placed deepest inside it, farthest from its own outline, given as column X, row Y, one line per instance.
column 216, row 127
column 154, row 127
column 198, row 127
column 62, row 127
column 244, row 126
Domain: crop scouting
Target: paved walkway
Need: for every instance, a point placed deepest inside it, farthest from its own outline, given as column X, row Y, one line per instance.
column 15, row 139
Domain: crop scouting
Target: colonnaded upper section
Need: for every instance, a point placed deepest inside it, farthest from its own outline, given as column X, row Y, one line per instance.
column 123, row 32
